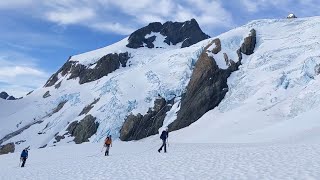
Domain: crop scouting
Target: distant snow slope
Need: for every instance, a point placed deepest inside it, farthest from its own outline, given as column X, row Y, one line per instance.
column 273, row 97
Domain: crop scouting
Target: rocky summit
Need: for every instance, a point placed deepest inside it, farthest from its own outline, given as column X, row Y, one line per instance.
column 187, row 33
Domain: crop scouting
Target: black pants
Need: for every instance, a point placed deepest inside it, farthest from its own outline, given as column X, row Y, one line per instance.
column 23, row 161
column 164, row 144
column 107, row 150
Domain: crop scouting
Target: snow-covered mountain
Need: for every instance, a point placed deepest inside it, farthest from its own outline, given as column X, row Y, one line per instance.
column 255, row 83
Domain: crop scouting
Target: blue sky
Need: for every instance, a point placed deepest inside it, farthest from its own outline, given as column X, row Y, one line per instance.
column 38, row 36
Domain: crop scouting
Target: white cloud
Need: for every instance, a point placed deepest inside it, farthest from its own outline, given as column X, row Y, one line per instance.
column 123, row 16
column 71, row 16
column 19, row 73
column 116, row 28
column 15, row 71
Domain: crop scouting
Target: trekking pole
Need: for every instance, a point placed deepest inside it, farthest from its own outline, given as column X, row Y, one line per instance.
column 102, row 148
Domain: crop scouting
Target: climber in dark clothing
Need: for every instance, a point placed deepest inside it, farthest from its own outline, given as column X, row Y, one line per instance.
column 164, row 136
column 24, row 156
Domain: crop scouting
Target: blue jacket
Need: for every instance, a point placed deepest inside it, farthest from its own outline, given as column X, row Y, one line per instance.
column 24, row 154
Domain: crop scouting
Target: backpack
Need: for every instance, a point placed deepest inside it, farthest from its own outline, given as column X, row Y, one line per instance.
column 163, row 135
column 108, row 141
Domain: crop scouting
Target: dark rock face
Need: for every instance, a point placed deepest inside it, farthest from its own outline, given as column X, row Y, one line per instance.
column 47, row 94
column 4, row 95
column 137, row 38
column 291, row 16
column 249, row 43
column 43, row 146
column 187, row 32
column 8, row 148
column 217, row 49
column 29, row 93
column 140, row 126
column 86, row 109
column 58, row 108
column 57, row 85
column 63, row 70
column 59, row 138
column 84, row 129
column 208, row 85
column 11, row 98
column 104, row 66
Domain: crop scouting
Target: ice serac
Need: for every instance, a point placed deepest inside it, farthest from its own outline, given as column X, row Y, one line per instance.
column 187, row 33
column 208, row 83
column 140, row 126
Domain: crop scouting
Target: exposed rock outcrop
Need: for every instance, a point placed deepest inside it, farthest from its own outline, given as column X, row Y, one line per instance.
column 8, row 148
column 208, row 84
column 57, row 85
column 217, row 49
column 103, row 67
column 86, row 109
column 140, row 126
column 47, row 94
column 58, row 138
column 11, row 98
column 84, row 129
column 249, row 43
column 58, row 108
column 291, row 16
column 187, row 32
column 6, row 96
column 29, row 93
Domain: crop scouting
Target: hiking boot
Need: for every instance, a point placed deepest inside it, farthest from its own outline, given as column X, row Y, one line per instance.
column 159, row 150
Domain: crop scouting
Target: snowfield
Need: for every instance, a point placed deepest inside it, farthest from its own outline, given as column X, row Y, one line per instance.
column 140, row 160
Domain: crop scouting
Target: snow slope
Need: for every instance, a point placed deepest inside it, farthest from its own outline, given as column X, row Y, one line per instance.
column 275, row 94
